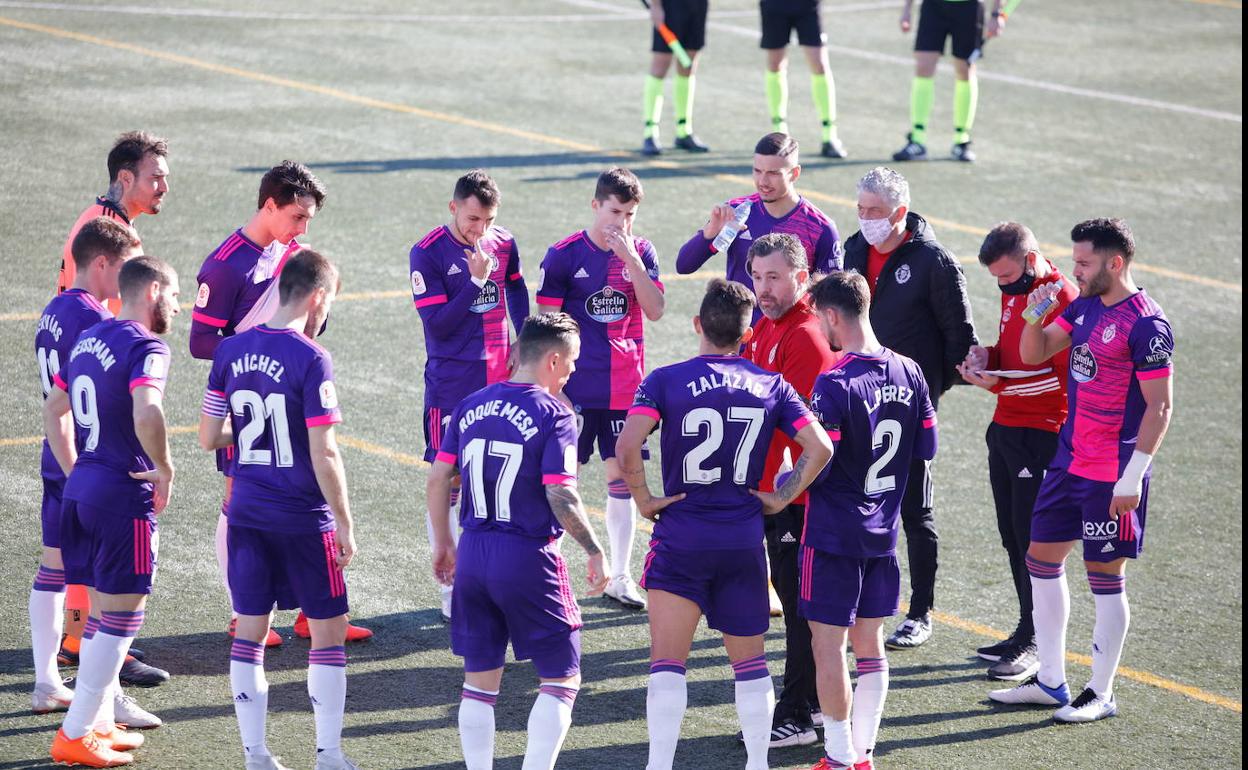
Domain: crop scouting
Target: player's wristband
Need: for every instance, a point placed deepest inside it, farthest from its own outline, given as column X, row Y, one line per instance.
column 480, row 282
column 1131, row 484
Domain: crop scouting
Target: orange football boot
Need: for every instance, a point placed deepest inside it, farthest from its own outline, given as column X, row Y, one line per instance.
column 120, row 740
column 87, row 750
column 354, row 633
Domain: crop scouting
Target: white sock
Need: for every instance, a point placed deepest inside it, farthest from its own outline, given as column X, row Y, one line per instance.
column 99, row 661
column 666, row 698
column 251, row 695
column 106, row 716
column 1050, row 611
column 327, row 687
column 223, row 553
column 621, row 528
column 548, row 726
column 476, row 727
column 868, row 706
column 838, row 742
column 756, row 700
column 47, row 623
column 1113, row 616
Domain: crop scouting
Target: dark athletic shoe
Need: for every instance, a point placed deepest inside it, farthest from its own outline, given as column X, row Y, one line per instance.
column 137, row 673
column 912, row 151
column 963, row 152
column 691, row 143
column 1016, row 664
column 651, row 147
column 912, row 633
column 833, row 149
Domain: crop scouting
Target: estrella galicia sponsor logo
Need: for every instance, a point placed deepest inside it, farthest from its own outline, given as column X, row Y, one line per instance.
column 607, row 305
column 1082, row 363
column 487, row 300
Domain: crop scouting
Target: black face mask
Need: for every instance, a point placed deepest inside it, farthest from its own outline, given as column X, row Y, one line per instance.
column 1022, row 285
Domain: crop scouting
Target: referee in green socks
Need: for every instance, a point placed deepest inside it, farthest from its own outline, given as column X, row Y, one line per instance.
column 939, row 20
column 687, row 19
column 780, row 19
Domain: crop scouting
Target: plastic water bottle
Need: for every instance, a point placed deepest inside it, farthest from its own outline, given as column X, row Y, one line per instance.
column 1036, row 311
column 729, row 232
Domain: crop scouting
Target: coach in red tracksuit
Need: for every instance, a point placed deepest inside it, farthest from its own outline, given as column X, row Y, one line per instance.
column 1022, row 437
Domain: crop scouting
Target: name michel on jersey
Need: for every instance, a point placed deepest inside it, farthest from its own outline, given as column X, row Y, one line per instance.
column 889, row 394
column 729, row 380
column 96, row 347
column 498, row 408
column 255, row 362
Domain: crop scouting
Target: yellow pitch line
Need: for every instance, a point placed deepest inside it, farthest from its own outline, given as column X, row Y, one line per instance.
column 499, row 128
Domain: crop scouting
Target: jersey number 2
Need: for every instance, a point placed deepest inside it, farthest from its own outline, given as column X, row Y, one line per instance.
column 887, row 432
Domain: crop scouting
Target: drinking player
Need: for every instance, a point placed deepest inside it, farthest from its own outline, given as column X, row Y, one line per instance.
column 718, row 413
column 290, row 528
column 514, row 444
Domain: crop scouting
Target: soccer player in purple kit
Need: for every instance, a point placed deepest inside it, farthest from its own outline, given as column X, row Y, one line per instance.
column 875, row 406
column 120, row 476
column 717, row 413
column 775, row 207
column 466, row 281
column 515, row 444
column 290, row 528
column 607, row 279
column 98, row 251
column 1121, row 393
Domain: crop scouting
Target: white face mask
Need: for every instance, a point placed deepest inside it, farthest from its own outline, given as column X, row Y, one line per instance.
column 876, row 231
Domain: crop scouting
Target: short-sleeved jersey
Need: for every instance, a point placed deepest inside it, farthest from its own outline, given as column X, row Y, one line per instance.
column 1111, row 350
column 274, row 384
column 717, row 415
column 879, row 416
column 510, row 441
column 106, row 364
column 233, row 278
column 466, row 336
column 66, row 316
column 102, row 207
column 595, row 287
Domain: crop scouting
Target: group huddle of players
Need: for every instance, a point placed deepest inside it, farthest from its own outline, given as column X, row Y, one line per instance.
column 509, row 423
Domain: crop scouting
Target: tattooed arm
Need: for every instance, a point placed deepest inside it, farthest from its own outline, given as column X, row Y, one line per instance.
column 816, row 452
column 565, row 501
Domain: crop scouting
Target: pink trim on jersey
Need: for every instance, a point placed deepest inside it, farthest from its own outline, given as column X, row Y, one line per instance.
column 437, row 299
column 446, row 457
column 624, row 338
column 571, row 239
column 571, row 611
column 513, row 276
column 432, row 237
column 802, row 422
column 58, row 382
column 930, row 422
column 559, row 478
column 139, row 382
column 324, row 419
column 337, row 586
column 1155, row 374
column 229, row 247
column 203, row 318
column 646, row 411
column 549, row 301
column 835, row 435
column 1065, row 325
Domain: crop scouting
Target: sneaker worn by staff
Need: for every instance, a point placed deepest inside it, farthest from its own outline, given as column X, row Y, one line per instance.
column 910, row 634
column 624, row 590
column 128, row 712
column 1016, row 664
column 790, row 733
column 1088, row 707
column 1033, row 692
column 138, row 674
column 335, row 761
column 265, row 762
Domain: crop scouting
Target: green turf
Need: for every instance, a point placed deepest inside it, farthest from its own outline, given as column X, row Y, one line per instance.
column 1047, row 158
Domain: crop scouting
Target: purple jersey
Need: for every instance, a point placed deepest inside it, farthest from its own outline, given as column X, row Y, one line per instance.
column 816, row 231
column 106, row 364
column 878, row 414
column 510, row 441
column 595, row 287
column 466, row 337
column 274, row 384
column 1112, row 348
column 717, row 416
column 233, row 278
column 65, row 317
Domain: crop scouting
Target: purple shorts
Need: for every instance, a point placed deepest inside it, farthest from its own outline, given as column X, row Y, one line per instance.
column 729, row 586
column 1070, row 507
column 115, row 553
column 601, row 427
column 514, row 588
column 434, row 424
column 287, row 569
column 50, row 514
column 835, row 590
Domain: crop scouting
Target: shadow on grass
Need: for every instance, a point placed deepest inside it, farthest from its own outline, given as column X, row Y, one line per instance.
column 690, row 752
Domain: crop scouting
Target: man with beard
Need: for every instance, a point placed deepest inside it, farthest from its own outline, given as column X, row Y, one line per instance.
column 120, row 476
column 1096, row 490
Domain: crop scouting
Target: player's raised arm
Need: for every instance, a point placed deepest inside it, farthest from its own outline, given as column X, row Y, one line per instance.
column 58, row 427
column 331, row 477
column 697, row 250
column 1039, row 342
column 643, row 270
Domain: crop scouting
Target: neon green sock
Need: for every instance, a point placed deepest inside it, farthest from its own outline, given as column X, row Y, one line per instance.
column 778, row 100
column 823, row 88
column 965, row 99
column 684, row 88
column 652, row 105
column 922, row 95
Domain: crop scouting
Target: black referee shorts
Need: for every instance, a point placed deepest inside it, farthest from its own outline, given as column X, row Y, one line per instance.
column 962, row 20
column 687, row 20
column 782, row 17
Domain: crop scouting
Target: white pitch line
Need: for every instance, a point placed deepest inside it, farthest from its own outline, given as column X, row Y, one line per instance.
column 215, row 13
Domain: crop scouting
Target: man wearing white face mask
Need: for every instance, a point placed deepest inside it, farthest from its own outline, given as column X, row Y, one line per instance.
column 919, row 308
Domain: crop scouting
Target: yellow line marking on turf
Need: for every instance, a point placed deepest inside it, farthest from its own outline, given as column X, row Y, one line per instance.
column 533, row 136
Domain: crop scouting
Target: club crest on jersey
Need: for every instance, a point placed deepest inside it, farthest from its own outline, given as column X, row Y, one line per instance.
column 1006, row 315
column 418, row 283
column 607, row 305
column 487, row 300
column 1110, row 332
column 903, row 274
column 1082, row 363
column 625, row 274
column 201, row 299
column 771, row 357
column 329, row 396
